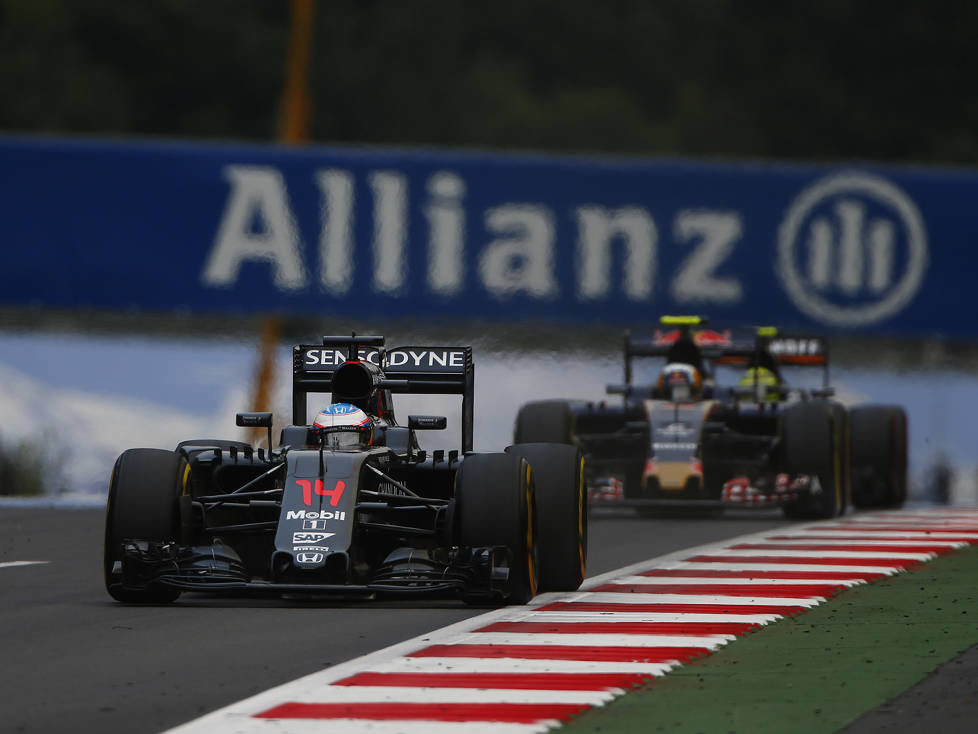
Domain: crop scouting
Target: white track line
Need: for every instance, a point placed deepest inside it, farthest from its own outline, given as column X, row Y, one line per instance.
column 649, row 617
column 237, row 723
column 842, row 538
column 12, row 564
column 734, row 553
column 587, row 640
column 359, row 694
column 745, row 580
column 801, row 567
column 510, row 665
column 625, row 597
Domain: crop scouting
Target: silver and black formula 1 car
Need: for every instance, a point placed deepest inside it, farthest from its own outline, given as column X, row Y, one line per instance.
column 350, row 505
column 682, row 440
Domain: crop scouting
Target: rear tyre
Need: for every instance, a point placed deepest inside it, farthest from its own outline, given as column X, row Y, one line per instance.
column 561, row 505
column 878, row 446
column 142, row 505
column 811, row 436
column 544, row 421
column 494, row 505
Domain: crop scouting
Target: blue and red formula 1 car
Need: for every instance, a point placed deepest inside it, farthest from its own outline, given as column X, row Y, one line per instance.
column 683, row 438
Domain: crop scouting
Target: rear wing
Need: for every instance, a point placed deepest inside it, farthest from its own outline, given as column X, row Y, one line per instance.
column 425, row 370
column 766, row 347
column 730, row 346
column 702, row 343
column 787, row 350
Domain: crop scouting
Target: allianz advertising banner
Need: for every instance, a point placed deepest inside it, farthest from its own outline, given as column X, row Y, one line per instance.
column 420, row 233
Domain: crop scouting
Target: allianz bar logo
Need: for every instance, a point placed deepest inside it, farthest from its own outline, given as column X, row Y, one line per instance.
column 851, row 247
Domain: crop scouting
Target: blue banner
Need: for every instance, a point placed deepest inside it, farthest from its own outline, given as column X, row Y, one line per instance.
column 366, row 233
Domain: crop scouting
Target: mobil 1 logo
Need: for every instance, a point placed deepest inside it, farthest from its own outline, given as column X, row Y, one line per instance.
column 852, row 250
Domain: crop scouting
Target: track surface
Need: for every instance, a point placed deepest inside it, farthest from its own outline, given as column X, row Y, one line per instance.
column 74, row 659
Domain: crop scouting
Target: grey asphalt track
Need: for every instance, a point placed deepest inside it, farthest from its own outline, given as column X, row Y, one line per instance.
column 73, row 660
column 945, row 702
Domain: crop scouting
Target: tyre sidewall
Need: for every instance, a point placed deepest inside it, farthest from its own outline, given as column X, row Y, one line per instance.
column 495, row 506
column 811, row 435
column 561, row 508
column 142, row 504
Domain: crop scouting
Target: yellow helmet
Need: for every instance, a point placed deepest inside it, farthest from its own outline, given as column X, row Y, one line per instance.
column 764, row 384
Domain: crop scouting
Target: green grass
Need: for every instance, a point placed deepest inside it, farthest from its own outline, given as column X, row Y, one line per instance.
column 32, row 466
column 816, row 672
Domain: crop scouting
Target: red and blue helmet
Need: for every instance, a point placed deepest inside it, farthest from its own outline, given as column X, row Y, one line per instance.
column 344, row 425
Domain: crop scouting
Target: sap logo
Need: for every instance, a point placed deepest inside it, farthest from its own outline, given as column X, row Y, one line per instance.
column 852, row 250
column 313, row 515
column 510, row 249
column 309, row 557
column 305, row 537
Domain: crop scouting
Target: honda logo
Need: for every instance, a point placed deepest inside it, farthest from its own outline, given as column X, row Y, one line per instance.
column 309, row 557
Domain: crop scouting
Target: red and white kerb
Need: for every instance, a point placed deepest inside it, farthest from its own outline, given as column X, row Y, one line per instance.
column 528, row 669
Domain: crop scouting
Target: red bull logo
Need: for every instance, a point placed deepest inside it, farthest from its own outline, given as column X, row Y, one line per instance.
column 701, row 337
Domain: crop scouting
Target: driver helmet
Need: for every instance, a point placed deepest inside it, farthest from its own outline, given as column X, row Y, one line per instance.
column 679, row 382
column 344, row 426
column 763, row 384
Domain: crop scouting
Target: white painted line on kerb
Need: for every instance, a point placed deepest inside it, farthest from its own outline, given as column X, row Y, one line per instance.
column 783, row 567
column 841, row 538
column 627, row 597
column 589, row 640
column 509, row 665
column 734, row 553
column 744, row 580
column 617, row 616
column 11, row 564
column 359, row 726
column 394, row 694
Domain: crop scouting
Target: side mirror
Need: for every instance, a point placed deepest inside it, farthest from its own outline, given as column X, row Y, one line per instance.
column 427, row 422
column 256, row 420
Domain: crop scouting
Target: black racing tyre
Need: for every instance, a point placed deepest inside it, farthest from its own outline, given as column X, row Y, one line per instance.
column 811, row 438
column 878, row 447
column 544, row 421
column 561, row 511
column 494, row 505
column 142, row 505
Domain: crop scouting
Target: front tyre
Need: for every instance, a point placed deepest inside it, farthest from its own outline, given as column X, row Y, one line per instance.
column 494, row 506
column 811, row 436
column 561, row 504
column 142, row 505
